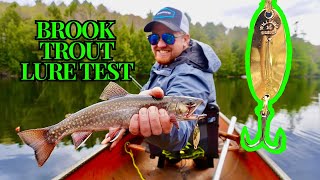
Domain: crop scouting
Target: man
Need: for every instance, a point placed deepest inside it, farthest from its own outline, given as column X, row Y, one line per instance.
column 183, row 67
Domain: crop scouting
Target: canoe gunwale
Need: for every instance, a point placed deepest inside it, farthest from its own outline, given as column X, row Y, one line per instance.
column 74, row 167
column 262, row 154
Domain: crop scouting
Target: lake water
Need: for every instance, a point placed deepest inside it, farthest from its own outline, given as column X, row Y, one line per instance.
column 34, row 105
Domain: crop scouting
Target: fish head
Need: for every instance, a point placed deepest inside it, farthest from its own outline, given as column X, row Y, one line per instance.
column 184, row 106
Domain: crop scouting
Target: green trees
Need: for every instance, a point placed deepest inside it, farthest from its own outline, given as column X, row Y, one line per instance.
column 228, row 44
column 54, row 11
column 71, row 9
column 305, row 58
column 17, row 44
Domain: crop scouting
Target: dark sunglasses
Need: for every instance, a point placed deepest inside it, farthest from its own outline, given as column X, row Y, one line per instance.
column 168, row 38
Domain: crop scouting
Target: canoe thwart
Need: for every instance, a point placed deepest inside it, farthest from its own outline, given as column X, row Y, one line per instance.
column 139, row 147
column 233, row 137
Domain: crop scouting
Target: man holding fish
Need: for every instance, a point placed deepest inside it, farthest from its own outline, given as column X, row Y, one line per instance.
column 180, row 84
column 183, row 67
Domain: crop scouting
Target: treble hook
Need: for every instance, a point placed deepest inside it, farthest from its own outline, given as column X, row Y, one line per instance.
column 263, row 129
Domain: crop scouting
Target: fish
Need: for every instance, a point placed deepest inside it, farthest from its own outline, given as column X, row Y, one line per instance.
column 116, row 110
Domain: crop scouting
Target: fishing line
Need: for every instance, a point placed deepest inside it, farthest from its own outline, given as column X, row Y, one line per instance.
column 133, row 79
column 136, row 82
column 133, row 162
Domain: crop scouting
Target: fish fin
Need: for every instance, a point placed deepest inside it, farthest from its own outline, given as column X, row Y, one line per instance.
column 67, row 115
column 174, row 121
column 36, row 138
column 113, row 90
column 79, row 138
column 114, row 135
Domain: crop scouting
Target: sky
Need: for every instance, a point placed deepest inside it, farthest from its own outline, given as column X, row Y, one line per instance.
column 228, row 12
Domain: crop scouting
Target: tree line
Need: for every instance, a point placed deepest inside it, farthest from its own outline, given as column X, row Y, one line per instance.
column 18, row 29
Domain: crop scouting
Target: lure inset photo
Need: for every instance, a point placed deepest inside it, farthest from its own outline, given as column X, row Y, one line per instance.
column 268, row 64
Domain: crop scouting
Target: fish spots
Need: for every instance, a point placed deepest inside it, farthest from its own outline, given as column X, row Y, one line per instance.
column 52, row 136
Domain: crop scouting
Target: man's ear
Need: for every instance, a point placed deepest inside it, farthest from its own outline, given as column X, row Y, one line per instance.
column 186, row 39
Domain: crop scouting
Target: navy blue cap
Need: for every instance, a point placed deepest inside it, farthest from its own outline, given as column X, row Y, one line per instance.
column 170, row 17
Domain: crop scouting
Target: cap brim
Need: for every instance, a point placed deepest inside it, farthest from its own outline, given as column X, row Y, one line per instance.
column 149, row 26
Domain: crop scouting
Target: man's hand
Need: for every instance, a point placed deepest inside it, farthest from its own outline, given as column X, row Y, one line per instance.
column 114, row 133
column 151, row 121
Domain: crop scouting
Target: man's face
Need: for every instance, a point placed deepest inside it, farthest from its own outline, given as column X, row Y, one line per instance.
column 164, row 53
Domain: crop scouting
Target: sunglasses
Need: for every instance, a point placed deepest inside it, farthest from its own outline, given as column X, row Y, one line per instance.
column 168, row 38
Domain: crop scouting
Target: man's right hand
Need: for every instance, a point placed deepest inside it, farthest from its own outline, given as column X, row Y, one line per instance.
column 151, row 121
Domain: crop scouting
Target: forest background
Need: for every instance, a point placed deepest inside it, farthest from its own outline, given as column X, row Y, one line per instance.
column 18, row 30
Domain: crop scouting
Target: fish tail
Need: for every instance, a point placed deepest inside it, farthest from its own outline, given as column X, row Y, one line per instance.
column 36, row 138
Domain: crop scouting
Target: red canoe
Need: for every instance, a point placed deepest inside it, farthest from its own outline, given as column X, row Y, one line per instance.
column 117, row 164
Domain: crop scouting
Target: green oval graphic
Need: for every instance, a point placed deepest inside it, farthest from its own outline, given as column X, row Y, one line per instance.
column 268, row 64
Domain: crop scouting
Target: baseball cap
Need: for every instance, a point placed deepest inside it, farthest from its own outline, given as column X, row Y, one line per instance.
column 170, row 17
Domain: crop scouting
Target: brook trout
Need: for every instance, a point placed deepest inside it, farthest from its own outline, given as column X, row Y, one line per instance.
column 115, row 111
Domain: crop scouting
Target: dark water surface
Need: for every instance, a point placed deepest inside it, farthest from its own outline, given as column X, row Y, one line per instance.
column 34, row 105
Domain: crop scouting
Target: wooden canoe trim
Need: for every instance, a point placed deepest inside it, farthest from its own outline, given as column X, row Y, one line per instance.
column 138, row 147
column 230, row 136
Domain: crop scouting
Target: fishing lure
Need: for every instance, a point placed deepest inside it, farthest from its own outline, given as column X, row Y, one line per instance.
column 268, row 64
column 196, row 136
